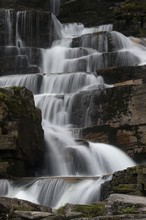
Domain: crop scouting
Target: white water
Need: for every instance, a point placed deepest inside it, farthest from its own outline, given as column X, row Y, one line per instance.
column 19, row 15
column 56, row 192
column 9, row 27
column 55, row 6
column 66, row 76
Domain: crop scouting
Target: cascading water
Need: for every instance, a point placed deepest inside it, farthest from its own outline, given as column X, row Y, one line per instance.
column 55, row 6
column 69, row 71
column 9, row 27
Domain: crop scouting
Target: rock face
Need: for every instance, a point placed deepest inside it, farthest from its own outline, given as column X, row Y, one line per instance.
column 37, row 34
column 21, row 44
column 120, row 122
column 130, row 181
column 21, row 134
column 128, row 18
column 25, row 4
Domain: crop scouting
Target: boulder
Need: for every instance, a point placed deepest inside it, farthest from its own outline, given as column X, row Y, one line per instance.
column 20, row 209
column 130, row 181
column 21, row 134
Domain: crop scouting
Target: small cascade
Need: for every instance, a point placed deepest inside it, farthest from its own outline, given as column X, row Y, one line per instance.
column 31, row 81
column 55, row 6
column 26, row 23
column 9, row 38
column 57, row 192
column 20, row 15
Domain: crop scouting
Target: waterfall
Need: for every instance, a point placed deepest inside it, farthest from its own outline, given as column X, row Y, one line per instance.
column 69, row 73
column 55, row 6
column 19, row 15
column 56, row 192
column 8, row 15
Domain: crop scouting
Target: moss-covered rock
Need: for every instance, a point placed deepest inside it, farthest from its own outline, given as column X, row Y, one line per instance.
column 126, row 16
column 89, row 211
column 130, row 181
column 15, row 209
column 21, row 134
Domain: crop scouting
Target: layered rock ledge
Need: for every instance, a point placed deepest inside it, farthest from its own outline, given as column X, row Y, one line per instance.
column 21, row 134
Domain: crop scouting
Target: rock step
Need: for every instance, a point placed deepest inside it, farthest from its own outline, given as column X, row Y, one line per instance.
column 37, row 34
column 12, row 62
column 18, row 64
column 121, row 74
column 34, row 54
column 130, row 139
column 124, row 107
column 15, row 71
column 130, row 181
column 82, row 61
column 121, row 207
column 71, row 179
column 100, row 41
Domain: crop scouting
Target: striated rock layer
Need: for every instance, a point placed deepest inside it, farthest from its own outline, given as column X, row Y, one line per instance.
column 21, row 134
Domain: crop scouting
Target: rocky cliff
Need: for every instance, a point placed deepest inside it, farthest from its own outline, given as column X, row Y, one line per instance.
column 21, row 134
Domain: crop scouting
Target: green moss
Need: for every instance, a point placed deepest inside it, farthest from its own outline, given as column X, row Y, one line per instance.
column 18, row 101
column 128, row 210
column 23, row 208
column 88, row 211
column 61, row 210
column 131, row 7
column 91, row 210
column 125, row 188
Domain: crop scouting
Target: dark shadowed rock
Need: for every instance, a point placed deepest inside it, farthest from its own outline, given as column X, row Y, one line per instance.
column 121, row 74
column 126, row 16
column 21, row 134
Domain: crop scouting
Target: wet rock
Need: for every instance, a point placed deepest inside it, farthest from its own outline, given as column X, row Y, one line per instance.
column 21, row 136
column 94, row 40
column 25, row 4
column 32, row 214
column 125, row 204
column 126, row 17
column 20, row 209
column 124, row 107
column 37, row 34
column 90, row 14
column 130, row 181
column 78, row 211
column 121, row 74
column 131, row 139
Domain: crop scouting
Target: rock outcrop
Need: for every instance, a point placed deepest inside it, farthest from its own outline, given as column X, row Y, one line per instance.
column 126, row 16
column 130, row 181
column 21, row 134
column 120, row 121
column 117, row 206
column 20, row 209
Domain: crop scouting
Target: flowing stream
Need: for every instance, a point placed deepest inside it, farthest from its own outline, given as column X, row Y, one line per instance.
column 68, row 67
